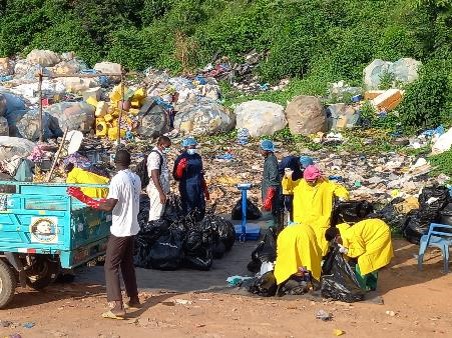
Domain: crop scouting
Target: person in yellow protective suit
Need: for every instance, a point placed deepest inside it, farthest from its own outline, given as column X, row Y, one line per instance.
column 370, row 242
column 296, row 247
column 80, row 176
column 313, row 201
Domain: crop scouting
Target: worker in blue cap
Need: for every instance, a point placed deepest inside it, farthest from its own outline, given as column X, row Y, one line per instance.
column 271, row 184
column 189, row 172
column 293, row 166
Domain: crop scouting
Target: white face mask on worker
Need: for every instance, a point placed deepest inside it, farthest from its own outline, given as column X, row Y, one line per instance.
column 191, row 151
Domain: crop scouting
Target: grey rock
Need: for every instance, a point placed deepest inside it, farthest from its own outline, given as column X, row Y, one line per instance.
column 260, row 117
column 306, row 115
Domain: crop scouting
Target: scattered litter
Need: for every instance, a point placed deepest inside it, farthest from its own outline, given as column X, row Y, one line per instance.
column 323, row 315
column 236, row 280
column 182, row 302
column 338, row 332
column 390, row 313
column 28, row 325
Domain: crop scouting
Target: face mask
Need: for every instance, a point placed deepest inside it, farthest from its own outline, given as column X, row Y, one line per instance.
column 191, row 151
column 165, row 150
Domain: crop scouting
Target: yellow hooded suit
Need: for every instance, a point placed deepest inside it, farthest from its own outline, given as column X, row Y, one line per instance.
column 297, row 247
column 369, row 241
column 313, row 205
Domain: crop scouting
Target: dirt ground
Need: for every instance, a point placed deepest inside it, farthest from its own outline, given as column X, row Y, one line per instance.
column 415, row 304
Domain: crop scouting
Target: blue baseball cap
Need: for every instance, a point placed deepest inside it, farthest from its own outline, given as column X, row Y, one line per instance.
column 189, row 141
column 267, row 145
column 306, row 161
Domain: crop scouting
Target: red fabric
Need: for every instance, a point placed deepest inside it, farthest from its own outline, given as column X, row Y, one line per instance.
column 181, row 166
column 205, row 189
column 78, row 194
column 268, row 200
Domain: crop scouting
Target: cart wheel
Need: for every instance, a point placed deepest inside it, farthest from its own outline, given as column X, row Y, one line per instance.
column 8, row 284
column 47, row 273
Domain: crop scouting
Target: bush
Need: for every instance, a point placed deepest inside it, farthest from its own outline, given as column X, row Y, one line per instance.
column 426, row 99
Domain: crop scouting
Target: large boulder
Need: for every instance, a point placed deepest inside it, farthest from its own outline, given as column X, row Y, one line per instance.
column 153, row 119
column 13, row 146
column 28, row 126
column 77, row 84
column 373, row 72
column 202, row 117
column 45, row 58
column 260, row 117
column 6, row 67
column 109, row 68
column 73, row 115
column 404, row 70
column 306, row 115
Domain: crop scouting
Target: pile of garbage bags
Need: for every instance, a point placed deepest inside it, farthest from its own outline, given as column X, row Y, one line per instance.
column 178, row 241
column 435, row 206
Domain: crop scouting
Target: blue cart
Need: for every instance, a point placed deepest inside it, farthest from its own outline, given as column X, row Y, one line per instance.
column 43, row 230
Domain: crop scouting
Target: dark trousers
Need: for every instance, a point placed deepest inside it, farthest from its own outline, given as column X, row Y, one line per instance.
column 288, row 205
column 278, row 213
column 120, row 256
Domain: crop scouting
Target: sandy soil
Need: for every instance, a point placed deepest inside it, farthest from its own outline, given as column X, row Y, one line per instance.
column 415, row 304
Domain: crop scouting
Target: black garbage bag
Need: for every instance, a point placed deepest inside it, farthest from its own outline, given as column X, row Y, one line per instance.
column 338, row 280
column 193, row 244
column 252, row 211
column 173, row 209
column 143, row 215
column 264, row 286
column 391, row 216
column 351, row 211
column 433, row 199
column 264, row 252
column 167, row 252
column 445, row 215
column 417, row 224
column 202, row 261
column 149, row 233
column 223, row 233
column 218, row 249
column 295, row 285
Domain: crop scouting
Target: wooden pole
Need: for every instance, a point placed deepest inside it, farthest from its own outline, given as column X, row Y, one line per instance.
column 57, row 155
column 41, row 131
column 118, row 137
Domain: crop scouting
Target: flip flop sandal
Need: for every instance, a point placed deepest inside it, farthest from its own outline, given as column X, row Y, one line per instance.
column 132, row 307
column 111, row 315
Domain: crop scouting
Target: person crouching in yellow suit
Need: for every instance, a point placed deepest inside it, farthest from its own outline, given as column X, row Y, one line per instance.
column 80, row 176
column 296, row 249
column 313, row 201
column 370, row 242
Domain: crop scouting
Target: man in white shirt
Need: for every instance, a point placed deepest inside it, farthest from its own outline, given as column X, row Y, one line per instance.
column 159, row 186
column 123, row 201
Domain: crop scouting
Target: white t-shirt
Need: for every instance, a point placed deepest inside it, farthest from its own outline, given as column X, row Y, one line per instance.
column 154, row 164
column 125, row 187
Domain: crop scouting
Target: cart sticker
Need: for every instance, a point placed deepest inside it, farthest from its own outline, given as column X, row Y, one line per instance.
column 3, row 202
column 44, row 230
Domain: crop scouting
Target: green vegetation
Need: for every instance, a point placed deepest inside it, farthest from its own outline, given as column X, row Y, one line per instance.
column 442, row 163
column 311, row 42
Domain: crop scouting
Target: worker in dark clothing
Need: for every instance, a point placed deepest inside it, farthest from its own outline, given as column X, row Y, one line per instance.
column 188, row 170
column 271, row 184
column 295, row 166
